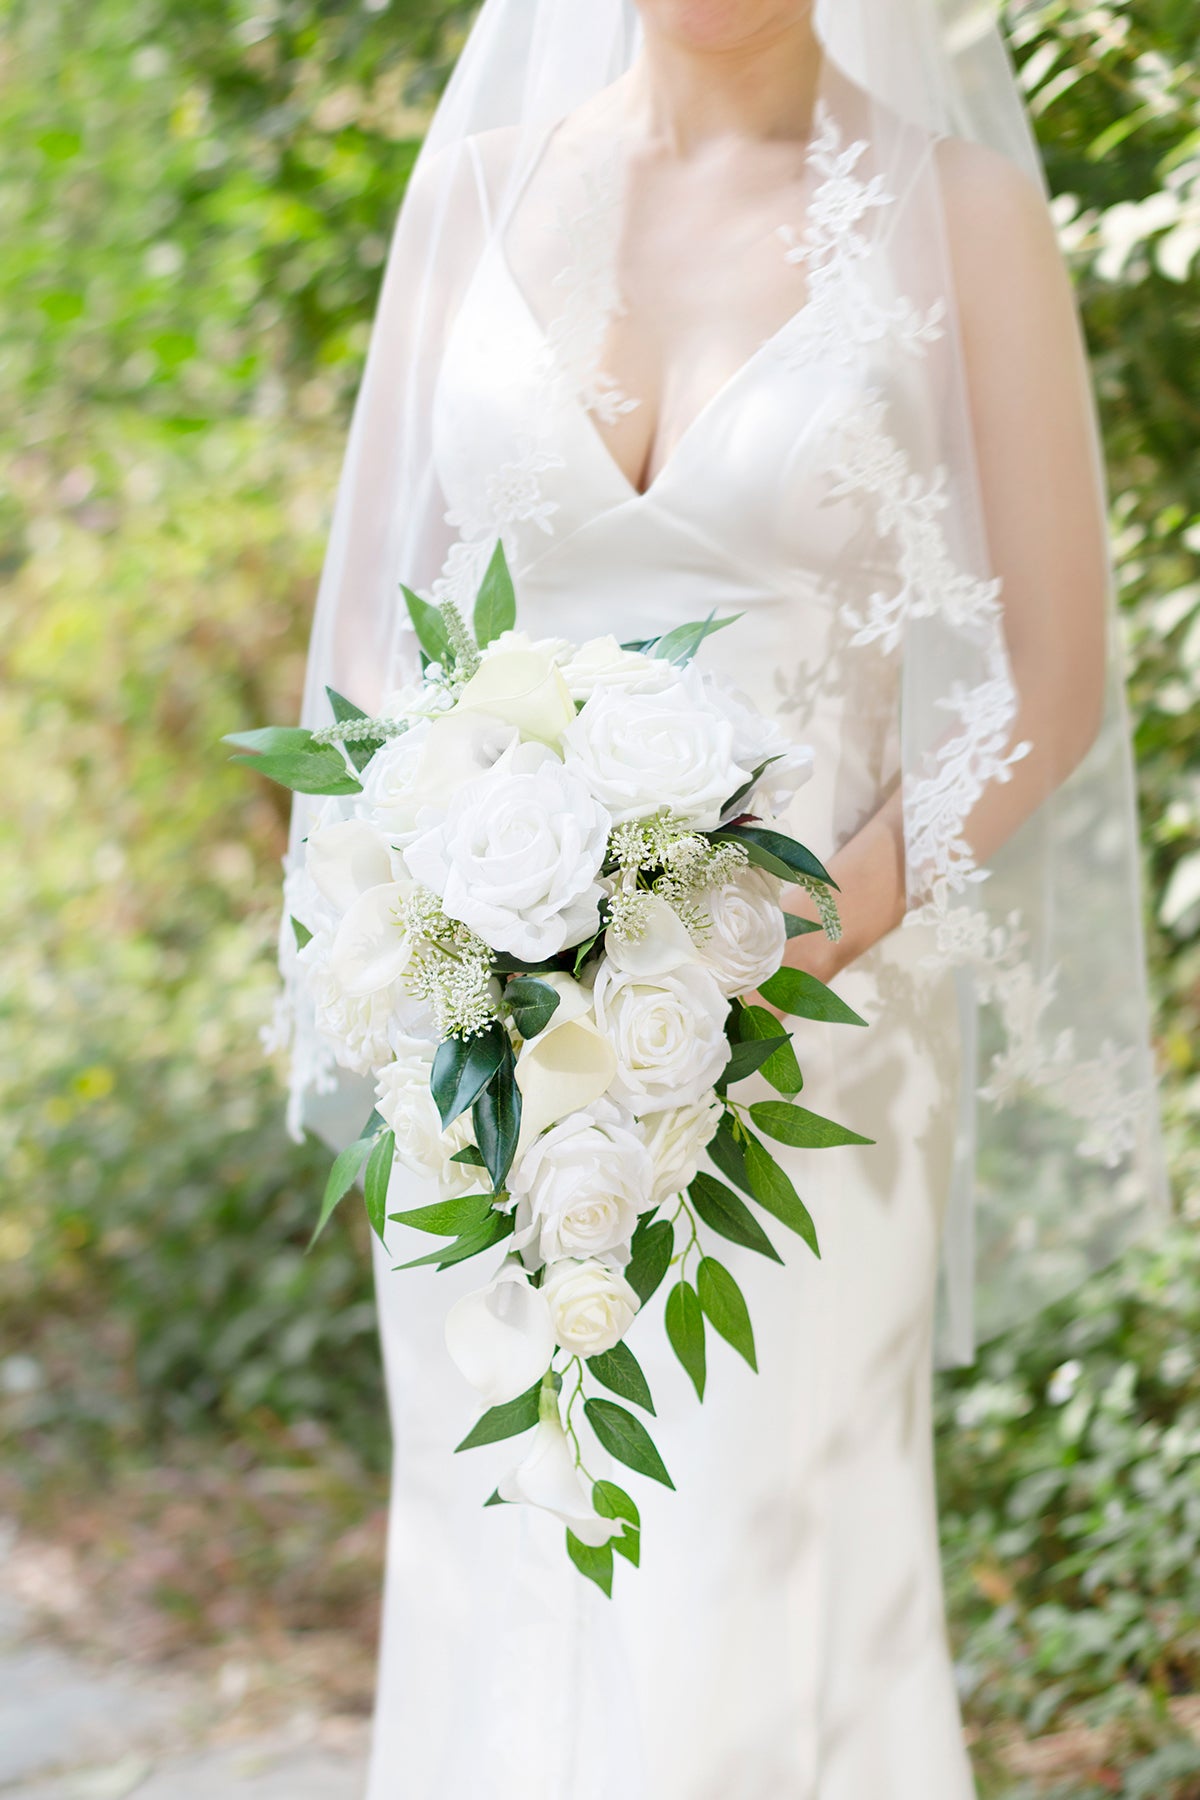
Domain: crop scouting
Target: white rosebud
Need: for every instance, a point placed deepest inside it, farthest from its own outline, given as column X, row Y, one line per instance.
column 501, row 1337
column 757, row 740
column 641, row 754
column 668, row 1032
column 580, row 1187
column 676, row 1140
column 517, row 856
column 407, row 1107
column 548, row 1478
column 747, row 935
column 601, row 662
column 591, row 1305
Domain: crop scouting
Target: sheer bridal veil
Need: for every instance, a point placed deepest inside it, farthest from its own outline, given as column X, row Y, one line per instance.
column 1036, row 920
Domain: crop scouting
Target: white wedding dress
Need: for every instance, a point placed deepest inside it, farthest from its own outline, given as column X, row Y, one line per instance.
column 784, row 1638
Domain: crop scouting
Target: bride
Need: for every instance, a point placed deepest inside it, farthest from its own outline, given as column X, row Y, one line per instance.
column 756, row 306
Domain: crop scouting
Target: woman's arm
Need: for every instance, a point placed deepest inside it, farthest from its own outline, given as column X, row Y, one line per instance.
column 1043, row 508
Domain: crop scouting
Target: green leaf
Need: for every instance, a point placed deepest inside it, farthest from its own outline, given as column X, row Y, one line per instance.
column 462, row 1068
column 685, row 1330
column 496, row 603
column 287, row 754
column 798, row 927
column 774, row 1191
column 620, row 1370
column 493, row 1231
column 612, row 1502
column 470, row 1153
column 429, row 626
column 650, row 1256
column 750, row 1055
column 682, row 643
column 804, row 1130
column 740, row 793
column 727, row 1153
column 342, row 1176
column 719, row 1208
column 628, row 1545
column 496, row 1116
column 725, row 1307
column 797, row 992
column 585, row 950
column 361, row 753
column 496, row 1498
column 626, row 1438
column 504, row 1421
column 593, row 1560
column 784, row 849
column 761, row 859
column 301, row 933
column 533, row 1004
column 272, row 740
column 375, row 1183
column 448, row 1217
column 781, row 1068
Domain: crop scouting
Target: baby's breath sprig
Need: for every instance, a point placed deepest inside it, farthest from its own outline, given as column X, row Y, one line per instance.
column 450, row 966
column 827, row 911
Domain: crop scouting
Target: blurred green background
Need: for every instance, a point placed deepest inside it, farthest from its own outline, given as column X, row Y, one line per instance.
column 195, row 203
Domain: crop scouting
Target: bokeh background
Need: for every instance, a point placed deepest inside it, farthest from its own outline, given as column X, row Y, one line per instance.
column 195, row 203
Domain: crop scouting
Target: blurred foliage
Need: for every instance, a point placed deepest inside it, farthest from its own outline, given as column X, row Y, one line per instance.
column 195, row 204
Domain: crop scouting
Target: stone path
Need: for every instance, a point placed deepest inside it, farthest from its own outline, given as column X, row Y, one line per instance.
column 72, row 1731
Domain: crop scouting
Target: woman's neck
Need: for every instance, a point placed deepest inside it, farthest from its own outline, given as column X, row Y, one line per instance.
column 686, row 96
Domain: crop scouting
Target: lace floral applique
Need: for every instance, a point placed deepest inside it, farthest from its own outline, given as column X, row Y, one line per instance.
column 841, row 312
column 512, row 496
column 575, row 336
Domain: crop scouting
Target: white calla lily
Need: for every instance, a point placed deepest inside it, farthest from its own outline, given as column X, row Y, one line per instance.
column 547, row 1477
column 500, row 1337
column 664, row 944
column 346, row 859
column 561, row 1071
column 525, row 688
column 371, row 948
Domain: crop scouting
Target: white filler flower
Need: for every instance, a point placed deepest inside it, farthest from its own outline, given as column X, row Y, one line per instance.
column 580, row 1187
column 517, row 855
column 591, row 1305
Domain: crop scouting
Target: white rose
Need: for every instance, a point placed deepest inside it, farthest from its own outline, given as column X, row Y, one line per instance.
column 676, row 1140
column 407, row 1107
column 756, row 740
column 591, row 1306
column 641, row 753
column 601, row 662
column 517, row 855
column 355, row 1026
column 423, row 769
column 348, row 857
column 523, row 687
column 580, row 1187
column 668, row 1033
column 547, row 1477
column 501, row 1337
column 746, row 935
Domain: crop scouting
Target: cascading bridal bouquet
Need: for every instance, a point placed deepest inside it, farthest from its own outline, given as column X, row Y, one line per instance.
column 533, row 908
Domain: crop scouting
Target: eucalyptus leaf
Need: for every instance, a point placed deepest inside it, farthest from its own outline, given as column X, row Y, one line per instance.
column 802, row 1129
column 375, row 1182
column 495, row 603
column 533, row 1004
column 626, row 1438
column 797, row 992
column 685, row 1332
column 504, row 1421
column 725, row 1307
column 719, row 1208
column 773, row 1189
column 618, row 1370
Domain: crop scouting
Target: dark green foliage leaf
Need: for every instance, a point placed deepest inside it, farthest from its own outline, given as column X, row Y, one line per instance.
column 448, row 1218
column 619, row 1370
column 725, row 1307
column 462, row 1068
column 650, row 1256
column 496, row 1116
column 786, row 850
column 739, row 794
column 728, row 1155
column 288, row 755
column 342, row 1177
column 360, row 754
column 495, row 1498
column 495, row 603
column 798, row 927
column 470, row 1153
column 772, row 1189
column 593, row 1560
column 719, row 1208
column 301, row 933
column 495, row 1228
column 375, row 1183
column 612, row 1502
column 533, row 1004
column 685, row 1330
column 780, row 1068
column 504, row 1421
column 796, row 1126
column 797, row 992
column 428, row 624
column 750, row 1055
column 626, row 1438
column 585, row 950
column 681, row 644
column 759, row 858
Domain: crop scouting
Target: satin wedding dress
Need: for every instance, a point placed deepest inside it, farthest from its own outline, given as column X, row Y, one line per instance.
column 784, row 1638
